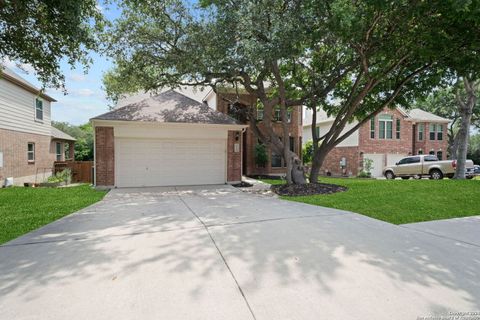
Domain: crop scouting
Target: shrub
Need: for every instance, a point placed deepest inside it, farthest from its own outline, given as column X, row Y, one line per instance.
column 307, row 152
column 62, row 176
column 261, row 157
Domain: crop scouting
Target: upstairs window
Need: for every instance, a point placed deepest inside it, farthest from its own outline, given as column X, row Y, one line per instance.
column 433, row 128
column 385, row 126
column 421, row 130
column 277, row 116
column 397, row 132
column 38, row 109
column 31, row 152
column 259, row 114
column 439, row 132
column 372, row 128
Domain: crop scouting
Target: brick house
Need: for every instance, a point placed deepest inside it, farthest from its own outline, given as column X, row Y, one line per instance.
column 385, row 139
column 29, row 145
column 222, row 101
column 166, row 139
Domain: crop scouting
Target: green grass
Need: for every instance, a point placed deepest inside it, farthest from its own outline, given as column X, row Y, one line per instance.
column 401, row 201
column 26, row 209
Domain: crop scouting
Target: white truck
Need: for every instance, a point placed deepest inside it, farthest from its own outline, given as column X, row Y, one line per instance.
column 426, row 166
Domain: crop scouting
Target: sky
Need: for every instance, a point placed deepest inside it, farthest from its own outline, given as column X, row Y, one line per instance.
column 86, row 97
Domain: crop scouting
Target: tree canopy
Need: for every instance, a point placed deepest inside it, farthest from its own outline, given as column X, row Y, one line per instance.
column 43, row 32
column 350, row 58
column 84, row 136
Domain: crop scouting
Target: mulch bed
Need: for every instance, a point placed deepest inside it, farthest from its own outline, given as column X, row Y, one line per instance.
column 308, row 189
column 242, row 184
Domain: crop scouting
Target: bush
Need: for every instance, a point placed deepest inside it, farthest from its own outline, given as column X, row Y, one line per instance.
column 261, row 157
column 62, row 176
column 307, row 152
column 367, row 168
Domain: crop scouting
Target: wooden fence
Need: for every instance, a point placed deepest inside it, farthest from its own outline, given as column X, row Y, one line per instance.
column 81, row 170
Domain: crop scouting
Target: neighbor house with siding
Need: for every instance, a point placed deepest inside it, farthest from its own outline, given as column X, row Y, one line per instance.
column 385, row 139
column 29, row 145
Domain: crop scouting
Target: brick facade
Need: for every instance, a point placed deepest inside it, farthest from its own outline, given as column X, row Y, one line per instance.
column 14, row 144
column 250, row 139
column 234, row 156
column 406, row 144
column 104, row 156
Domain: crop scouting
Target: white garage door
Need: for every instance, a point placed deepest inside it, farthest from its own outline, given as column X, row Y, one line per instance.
column 378, row 163
column 394, row 158
column 159, row 162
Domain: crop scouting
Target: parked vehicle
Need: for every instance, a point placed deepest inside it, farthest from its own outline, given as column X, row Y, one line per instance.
column 476, row 169
column 425, row 166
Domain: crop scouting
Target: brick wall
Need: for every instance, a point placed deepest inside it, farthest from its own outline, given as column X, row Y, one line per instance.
column 332, row 162
column 295, row 129
column 13, row 145
column 234, row 158
column 426, row 145
column 104, row 156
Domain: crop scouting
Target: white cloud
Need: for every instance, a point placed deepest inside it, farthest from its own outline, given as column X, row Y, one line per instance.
column 83, row 92
column 77, row 77
column 22, row 67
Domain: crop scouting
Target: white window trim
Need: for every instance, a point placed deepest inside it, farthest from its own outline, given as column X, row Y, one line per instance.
column 31, row 152
column 57, row 154
column 43, row 109
column 384, row 129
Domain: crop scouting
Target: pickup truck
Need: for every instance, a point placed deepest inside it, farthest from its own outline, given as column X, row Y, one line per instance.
column 425, row 166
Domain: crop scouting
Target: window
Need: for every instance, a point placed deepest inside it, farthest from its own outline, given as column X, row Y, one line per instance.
column 317, row 131
column 440, row 155
column 398, row 129
column 276, row 160
column 420, row 151
column 432, row 152
column 432, row 131
column 430, row 158
column 38, row 109
column 259, row 114
column 421, row 130
column 58, row 149
column 292, row 144
column 409, row 160
column 439, row 132
column 289, row 116
column 31, row 152
column 277, row 115
column 385, row 125
column 372, row 128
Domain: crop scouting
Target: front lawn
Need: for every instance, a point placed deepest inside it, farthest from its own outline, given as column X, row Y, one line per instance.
column 401, row 201
column 26, row 209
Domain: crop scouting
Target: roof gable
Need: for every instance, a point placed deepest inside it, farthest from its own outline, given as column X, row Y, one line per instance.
column 168, row 107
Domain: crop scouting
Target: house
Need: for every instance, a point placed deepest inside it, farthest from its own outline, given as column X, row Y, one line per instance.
column 183, row 137
column 29, row 145
column 165, row 140
column 229, row 101
column 385, row 139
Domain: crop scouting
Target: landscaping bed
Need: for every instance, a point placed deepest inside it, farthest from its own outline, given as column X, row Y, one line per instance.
column 306, row 189
column 25, row 209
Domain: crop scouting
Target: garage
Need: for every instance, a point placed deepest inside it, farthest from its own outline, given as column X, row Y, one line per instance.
column 394, row 158
column 166, row 140
column 147, row 162
column 378, row 163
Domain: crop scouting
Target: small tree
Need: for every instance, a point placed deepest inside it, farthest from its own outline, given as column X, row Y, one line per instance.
column 366, row 172
column 261, row 157
column 307, row 152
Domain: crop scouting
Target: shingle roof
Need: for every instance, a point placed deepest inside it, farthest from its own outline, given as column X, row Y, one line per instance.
column 58, row 134
column 169, row 106
column 421, row 115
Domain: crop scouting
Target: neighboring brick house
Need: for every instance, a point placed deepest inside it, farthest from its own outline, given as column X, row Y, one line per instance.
column 385, row 139
column 223, row 102
column 29, row 145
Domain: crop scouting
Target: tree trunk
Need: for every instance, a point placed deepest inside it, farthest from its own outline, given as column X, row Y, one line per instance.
column 466, row 110
column 317, row 162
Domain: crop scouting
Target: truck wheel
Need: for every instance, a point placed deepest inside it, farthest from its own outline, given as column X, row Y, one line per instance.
column 405, row 178
column 436, row 174
column 389, row 175
column 469, row 177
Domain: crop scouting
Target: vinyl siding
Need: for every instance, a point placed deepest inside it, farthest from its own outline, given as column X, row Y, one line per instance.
column 350, row 141
column 17, row 110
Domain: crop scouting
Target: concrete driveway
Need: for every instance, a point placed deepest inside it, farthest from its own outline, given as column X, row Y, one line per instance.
column 219, row 253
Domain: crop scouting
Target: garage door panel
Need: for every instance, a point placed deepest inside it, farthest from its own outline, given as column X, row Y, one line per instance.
column 377, row 165
column 143, row 162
